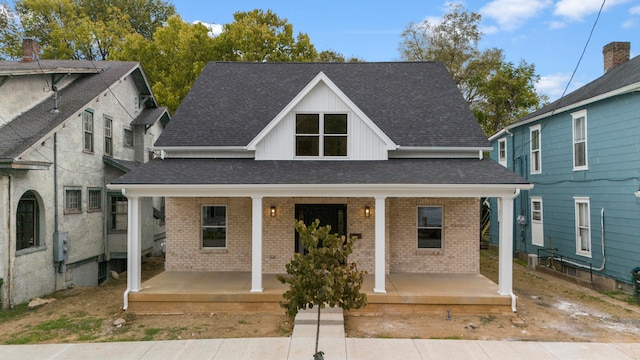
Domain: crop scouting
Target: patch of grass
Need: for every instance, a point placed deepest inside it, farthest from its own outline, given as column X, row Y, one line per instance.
column 383, row 336
column 452, row 337
column 83, row 328
column 244, row 322
column 11, row 314
column 150, row 333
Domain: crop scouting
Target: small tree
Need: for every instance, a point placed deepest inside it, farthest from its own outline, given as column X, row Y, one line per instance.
column 322, row 275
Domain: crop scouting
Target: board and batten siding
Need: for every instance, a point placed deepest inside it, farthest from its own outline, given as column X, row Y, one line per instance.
column 363, row 142
column 612, row 178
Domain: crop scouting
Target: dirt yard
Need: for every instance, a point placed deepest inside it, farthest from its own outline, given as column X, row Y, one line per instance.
column 549, row 309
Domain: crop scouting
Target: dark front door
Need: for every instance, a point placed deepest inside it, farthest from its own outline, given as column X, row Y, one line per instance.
column 329, row 214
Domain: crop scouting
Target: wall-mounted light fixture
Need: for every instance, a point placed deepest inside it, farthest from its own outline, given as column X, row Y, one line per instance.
column 272, row 211
column 367, row 211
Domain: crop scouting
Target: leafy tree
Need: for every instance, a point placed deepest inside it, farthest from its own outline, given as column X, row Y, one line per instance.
column 322, row 276
column 172, row 60
column 332, row 56
column 485, row 80
column 86, row 29
column 263, row 36
column 10, row 39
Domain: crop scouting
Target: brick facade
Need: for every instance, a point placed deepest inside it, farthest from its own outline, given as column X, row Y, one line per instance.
column 460, row 253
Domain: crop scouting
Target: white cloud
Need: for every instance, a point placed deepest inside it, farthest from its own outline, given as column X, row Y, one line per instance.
column 488, row 30
column 511, row 14
column 635, row 10
column 214, row 29
column 555, row 25
column 578, row 9
column 629, row 24
column 553, row 85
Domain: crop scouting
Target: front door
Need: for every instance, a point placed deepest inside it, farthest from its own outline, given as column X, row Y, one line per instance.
column 329, row 214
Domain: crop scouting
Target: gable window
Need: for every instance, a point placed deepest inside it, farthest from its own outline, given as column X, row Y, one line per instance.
column 214, row 226
column 321, row 135
column 27, row 222
column 108, row 136
column 580, row 140
column 72, row 200
column 128, row 138
column 502, row 152
column 430, row 227
column 87, row 125
column 95, row 199
column 583, row 226
column 118, row 213
column 534, row 145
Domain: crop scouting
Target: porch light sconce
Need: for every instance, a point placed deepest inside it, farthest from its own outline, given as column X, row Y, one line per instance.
column 272, row 211
column 367, row 211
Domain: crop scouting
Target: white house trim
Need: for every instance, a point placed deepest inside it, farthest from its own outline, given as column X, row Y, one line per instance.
column 321, row 77
column 379, row 246
column 256, row 244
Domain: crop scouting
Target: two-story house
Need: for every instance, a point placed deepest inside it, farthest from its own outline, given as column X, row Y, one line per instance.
column 582, row 154
column 67, row 128
column 387, row 152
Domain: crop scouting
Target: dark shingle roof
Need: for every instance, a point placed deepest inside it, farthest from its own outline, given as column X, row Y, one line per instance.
column 149, row 116
column 620, row 76
column 251, row 172
column 414, row 103
column 26, row 129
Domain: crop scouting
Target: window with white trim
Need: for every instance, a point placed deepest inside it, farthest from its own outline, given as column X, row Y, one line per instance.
column 535, row 149
column 502, row 152
column 580, row 159
column 321, row 135
column 214, row 226
column 537, row 232
column 430, row 227
column 108, row 136
column 87, row 126
column 583, row 226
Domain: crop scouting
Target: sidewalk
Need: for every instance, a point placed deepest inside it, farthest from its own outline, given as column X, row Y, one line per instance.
column 345, row 348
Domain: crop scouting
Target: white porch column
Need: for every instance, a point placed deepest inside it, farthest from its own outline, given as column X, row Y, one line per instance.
column 134, row 236
column 256, row 244
column 505, row 257
column 380, row 231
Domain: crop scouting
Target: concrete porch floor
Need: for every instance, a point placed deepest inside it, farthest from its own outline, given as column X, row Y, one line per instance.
column 203, row 292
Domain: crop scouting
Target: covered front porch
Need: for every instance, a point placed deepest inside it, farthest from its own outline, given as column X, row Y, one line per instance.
column 202, row 292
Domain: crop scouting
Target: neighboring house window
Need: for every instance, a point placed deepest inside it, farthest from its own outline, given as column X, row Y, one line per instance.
column 27, row 222
column 118, row 213
column 537, row 233
column 580, row 140
column 108, row 136
column 72, row 200
column 321, row 135
column 430, row 227
column 87, row 125
column 128, row 138
column 214, row 226
column 534, row 144
column 583, row 226
column 95, row 199
column 502, row 152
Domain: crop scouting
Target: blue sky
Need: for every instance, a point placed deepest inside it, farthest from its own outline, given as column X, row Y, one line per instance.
column 550, row 34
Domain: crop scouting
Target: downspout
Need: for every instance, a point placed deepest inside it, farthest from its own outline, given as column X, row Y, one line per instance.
column 128, row 290
column 513, row 296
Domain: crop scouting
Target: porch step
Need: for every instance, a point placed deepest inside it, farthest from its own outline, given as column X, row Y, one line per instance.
column 331, row 323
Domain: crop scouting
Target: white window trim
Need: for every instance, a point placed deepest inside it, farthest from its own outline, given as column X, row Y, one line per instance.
column 226, row 228
column 502, row 160
column 574, row 116
column 532, row 129
column 75, row 210
column 85, row 131
column 582, row 200
column 321, row 135
column 441, row 248
column 541, row 221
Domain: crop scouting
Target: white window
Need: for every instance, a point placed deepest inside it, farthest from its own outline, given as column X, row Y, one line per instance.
column 502, row 152
column 87, row 124
column 214, row 226
column 108, row 136
column 95, row 199
column 321, row 135
column 430, row 227
column 537, row 233
column 534, row 145
column 580, row 159
column 583, row 226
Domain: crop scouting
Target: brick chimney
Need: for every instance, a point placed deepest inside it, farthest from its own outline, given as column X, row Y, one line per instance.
column 615, row 53
column 30, row 50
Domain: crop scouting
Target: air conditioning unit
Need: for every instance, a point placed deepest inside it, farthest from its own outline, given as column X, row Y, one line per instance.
column 532, row 261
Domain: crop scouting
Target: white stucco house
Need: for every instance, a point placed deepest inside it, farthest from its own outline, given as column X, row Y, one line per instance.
column 387, row 152
column 67, row 128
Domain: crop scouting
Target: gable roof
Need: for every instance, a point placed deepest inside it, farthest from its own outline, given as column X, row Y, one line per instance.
column 413, row 103
column 22, row 132
column 621, row 79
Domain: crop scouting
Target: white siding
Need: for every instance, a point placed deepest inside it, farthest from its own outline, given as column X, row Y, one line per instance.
column 363, row 143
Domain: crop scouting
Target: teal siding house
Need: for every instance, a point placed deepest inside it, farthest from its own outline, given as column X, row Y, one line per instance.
column 582, row 153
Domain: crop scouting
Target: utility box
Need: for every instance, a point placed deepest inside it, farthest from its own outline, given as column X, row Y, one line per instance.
column 60, row 246
column 533, row 261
